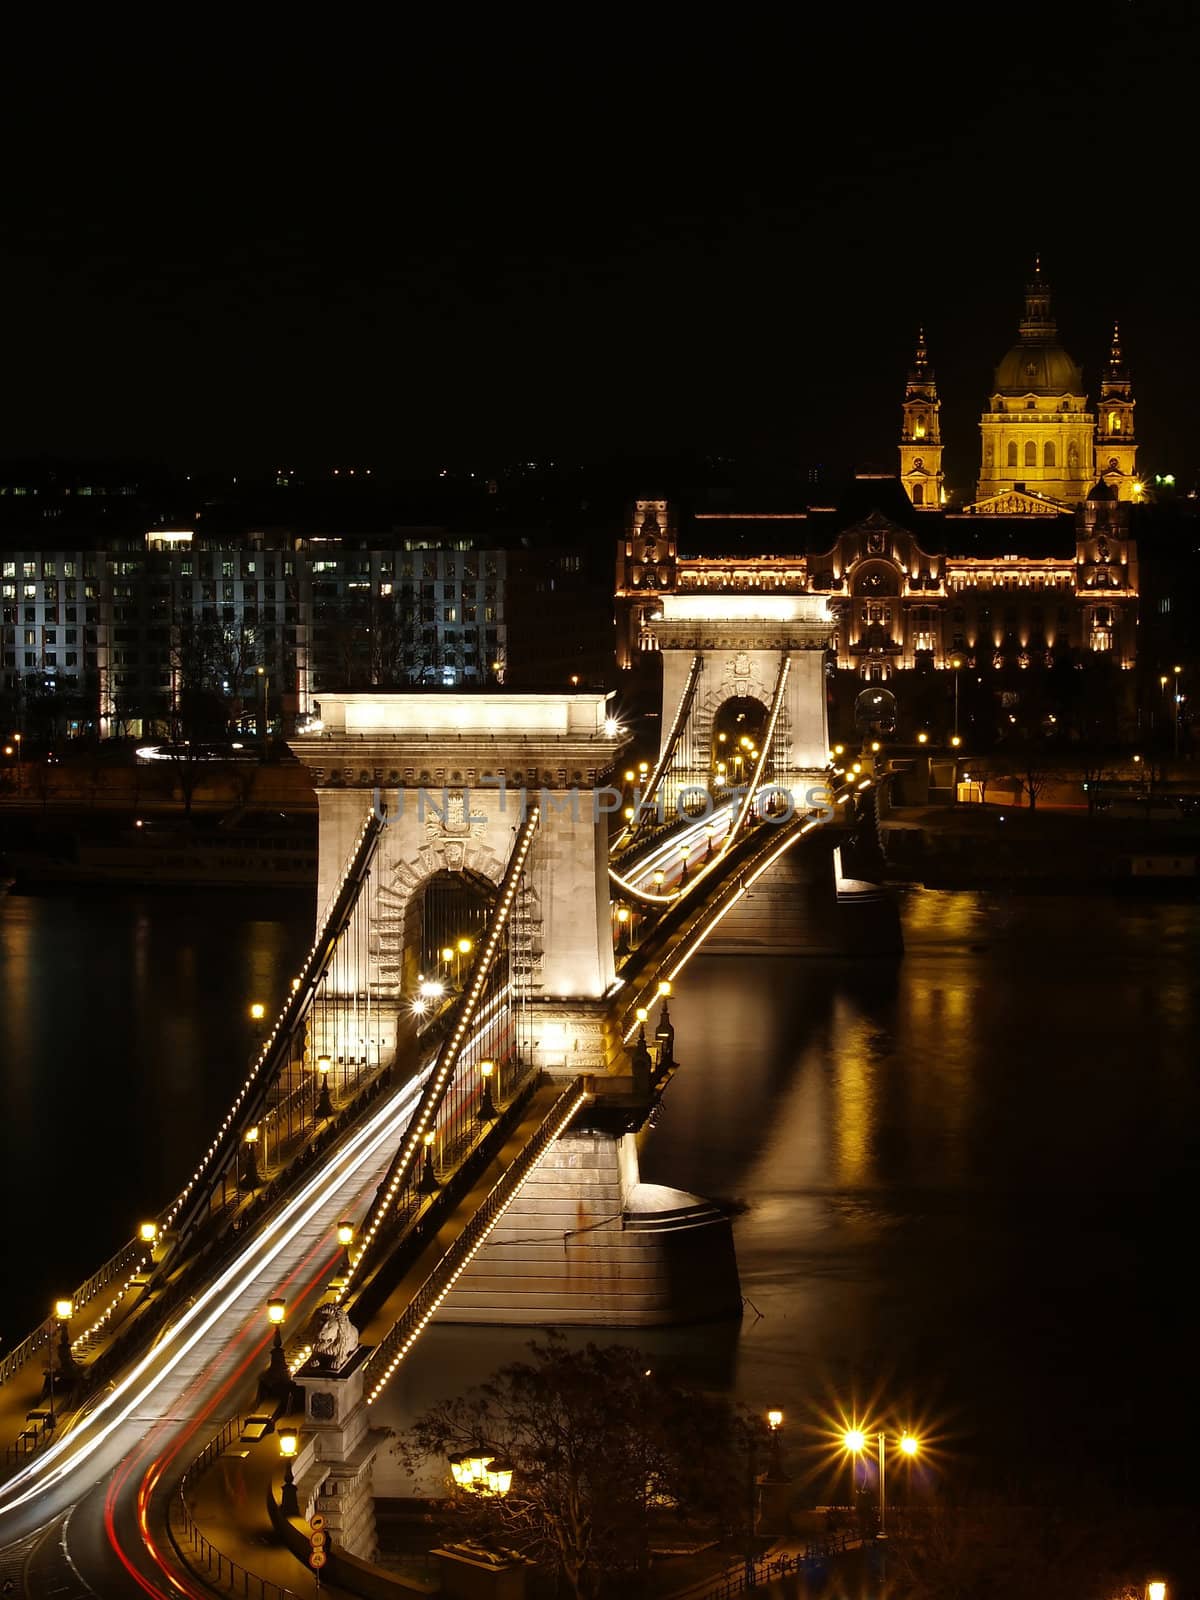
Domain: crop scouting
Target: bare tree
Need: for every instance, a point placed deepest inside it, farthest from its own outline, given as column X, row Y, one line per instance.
column 599, row 1445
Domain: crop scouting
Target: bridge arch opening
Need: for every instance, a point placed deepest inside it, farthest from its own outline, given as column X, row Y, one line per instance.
column 453, row 911
column 737, row 727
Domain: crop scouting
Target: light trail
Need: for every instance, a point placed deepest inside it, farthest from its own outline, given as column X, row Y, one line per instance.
column 70, row 1453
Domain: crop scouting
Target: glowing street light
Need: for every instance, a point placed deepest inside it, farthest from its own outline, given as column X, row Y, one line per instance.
column 429, row 1183
column 479, row 1472
column 324, row 1103
column 250, row 1177
column 277, row 1380
column 289, row 1500
column 64, row 1310
column 487, row 1106
column 345, row 1238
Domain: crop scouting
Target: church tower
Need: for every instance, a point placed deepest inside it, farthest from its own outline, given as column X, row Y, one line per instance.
column 1116, row 446
column 1038, row 433
column 921, row 433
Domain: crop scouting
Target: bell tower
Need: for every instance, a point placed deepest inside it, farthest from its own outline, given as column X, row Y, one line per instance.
column 1116, row 445
column 921, row 433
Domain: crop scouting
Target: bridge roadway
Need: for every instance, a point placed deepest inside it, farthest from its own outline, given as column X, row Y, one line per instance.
column 108, row 1465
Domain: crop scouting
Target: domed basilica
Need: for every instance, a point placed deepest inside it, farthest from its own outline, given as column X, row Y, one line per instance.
column 1037, row 572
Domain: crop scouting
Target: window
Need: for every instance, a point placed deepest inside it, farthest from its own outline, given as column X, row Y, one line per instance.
column 918, row 494
column 1114, row 422
column 1048, row 456
column 1030, row 453
column 1012, row 452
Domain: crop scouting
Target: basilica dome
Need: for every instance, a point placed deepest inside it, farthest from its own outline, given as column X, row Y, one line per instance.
column 1037, row 366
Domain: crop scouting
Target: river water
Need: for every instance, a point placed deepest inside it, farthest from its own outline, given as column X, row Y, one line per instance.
column 963, row 1179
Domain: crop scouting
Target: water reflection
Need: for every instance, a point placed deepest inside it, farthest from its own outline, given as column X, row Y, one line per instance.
column 964, row 1177
column 125, row 1033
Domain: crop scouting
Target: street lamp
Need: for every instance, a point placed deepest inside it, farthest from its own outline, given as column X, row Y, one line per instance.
column 775, row 1422
column 854, row 1442
column 345, row 1237
column 289, row 1500
column 429, row 1183
column 487, row 1106
column 64, row 1310
column 1178, row 703
column 17, row 741
column 324, row 1103
column 250, row 1177
column 480, row 1472
column 909, row 1445
column 956, row 662
column 278, row 1380
column 1156, row 1589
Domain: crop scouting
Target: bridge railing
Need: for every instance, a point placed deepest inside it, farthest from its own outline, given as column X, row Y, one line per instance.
column 387, row 1355
column 131, row 1255
column 201, row 1556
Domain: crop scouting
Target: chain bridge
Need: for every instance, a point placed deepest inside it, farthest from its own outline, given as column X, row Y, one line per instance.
column 442, row 1119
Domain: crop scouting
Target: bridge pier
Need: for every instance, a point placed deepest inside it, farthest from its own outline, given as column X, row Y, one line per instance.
column 808, row 905
column 587, row 1244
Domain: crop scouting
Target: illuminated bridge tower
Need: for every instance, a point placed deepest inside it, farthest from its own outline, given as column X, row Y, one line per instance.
column 585, row 1242
column 726, row 658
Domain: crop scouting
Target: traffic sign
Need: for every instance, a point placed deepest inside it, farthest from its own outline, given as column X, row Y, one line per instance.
column 316, row 1523
column 317, row 1560
column 317, row 1540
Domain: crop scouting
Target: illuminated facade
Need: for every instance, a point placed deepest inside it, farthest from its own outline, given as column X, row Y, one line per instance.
column 921, row 434
column 1038, row 436
column 900, row 606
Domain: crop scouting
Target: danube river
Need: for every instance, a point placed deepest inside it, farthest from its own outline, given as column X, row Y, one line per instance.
column 963, row 1180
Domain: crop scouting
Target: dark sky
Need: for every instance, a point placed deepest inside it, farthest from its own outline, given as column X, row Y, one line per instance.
column 586, row 239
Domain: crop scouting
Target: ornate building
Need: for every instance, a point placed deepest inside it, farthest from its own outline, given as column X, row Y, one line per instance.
column 1028, row 585
column 1038, row 436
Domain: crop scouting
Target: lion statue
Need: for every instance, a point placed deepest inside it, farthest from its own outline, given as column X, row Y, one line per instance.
column 336, row 1338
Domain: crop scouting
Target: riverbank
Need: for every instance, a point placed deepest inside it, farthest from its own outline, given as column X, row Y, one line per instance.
column 982, row 846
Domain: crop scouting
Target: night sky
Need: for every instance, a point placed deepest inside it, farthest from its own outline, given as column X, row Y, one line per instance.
column 589, row 240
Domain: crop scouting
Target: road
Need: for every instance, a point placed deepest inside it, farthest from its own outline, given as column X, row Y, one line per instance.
column 105, row 1482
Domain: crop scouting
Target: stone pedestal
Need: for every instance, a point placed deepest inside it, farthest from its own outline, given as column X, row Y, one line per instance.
column 468, row 1573
column 337, row 1477
column 775, row 1496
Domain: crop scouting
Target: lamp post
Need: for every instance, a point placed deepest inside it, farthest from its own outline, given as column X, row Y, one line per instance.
column 956, row 662
column 775, row 1422
column 324, row 1103
column 487, row 1106
column 289, row 1500
column 1178, row 703
column 278, row 1380
column 855, row 1443
column 64, row 1310
column 480, row 1472
column 429, row 1183
column 345, row 1237
column 17, row 741
column 263, row 682
column 250, row 1177
column 664, row 1034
